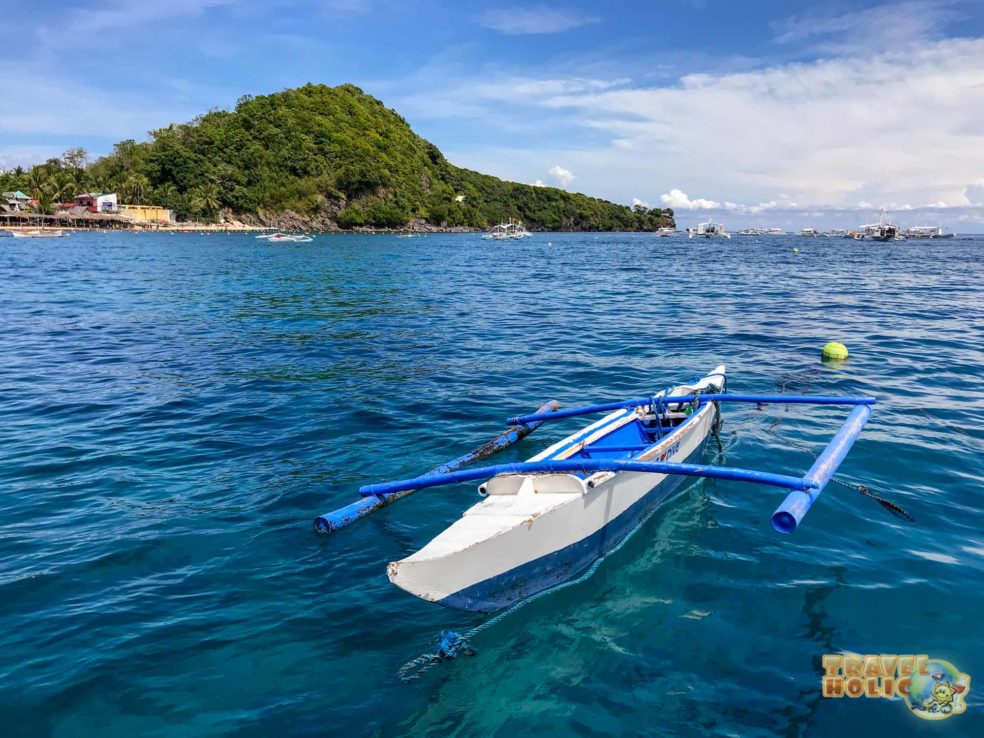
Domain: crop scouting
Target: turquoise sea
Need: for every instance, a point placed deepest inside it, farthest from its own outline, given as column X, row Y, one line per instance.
column 176, row 409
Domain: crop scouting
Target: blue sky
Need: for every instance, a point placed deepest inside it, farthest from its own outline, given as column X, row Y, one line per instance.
column 764, row 112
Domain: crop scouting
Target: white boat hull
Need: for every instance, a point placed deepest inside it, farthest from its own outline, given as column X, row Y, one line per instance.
column 38, row 234
column 532, row 533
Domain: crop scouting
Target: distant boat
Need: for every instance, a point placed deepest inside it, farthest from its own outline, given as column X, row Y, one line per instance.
column 708, row 230
column 511, row 231
column 38, row 233
column 761, row 232
column 883, row 230
column 288, row 238
column 837, row 233
column 810, row 232
column 664, row 232
column 927, row 232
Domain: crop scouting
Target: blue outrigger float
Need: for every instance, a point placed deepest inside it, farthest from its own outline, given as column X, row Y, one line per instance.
column 544, row 521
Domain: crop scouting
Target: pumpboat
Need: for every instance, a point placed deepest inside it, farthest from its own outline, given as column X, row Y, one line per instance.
column 533, row 532
column 542, row 522
column 39, row 233
column 883, row 230
column 514, row 230
column 710, row 229
column 285, row 238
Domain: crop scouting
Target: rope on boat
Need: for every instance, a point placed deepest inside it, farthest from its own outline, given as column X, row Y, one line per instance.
column 810, row 377
column 449, row 645
column 857, row 486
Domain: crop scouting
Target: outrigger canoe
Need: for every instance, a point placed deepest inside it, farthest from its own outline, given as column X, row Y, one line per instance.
column 532, row 532
column 544, row 521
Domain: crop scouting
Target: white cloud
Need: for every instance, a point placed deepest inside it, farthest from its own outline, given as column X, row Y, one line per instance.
column 516, row 21
column 973, row 194
column 80, row 25
column 539, row 183
column 878, row 28
column 12, row 157
column 902, row 126
column 636, row 202
column 562, row 175
column 678, row 200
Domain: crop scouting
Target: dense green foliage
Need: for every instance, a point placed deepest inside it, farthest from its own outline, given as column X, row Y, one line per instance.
column 327, row 152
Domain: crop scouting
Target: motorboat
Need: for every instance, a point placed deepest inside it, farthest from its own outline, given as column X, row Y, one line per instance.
column 708, row 230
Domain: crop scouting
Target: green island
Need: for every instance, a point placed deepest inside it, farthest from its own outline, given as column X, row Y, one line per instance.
column 320, row 158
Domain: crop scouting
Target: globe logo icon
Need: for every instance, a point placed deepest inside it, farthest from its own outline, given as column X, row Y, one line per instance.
column 939, row 691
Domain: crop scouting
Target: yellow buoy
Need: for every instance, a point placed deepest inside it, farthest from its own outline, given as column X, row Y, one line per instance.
column 835, row 351
column 796, row 251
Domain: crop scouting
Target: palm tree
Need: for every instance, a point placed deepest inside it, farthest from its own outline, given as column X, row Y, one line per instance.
column 37, row 182
column 61, row 187
column 167, row 193
column 135, row 186
column 46, row 201
column 80, row 180
column 205, row 199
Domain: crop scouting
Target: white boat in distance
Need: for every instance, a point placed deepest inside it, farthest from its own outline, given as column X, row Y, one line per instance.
column 665, row 232
column 761, row 232
column 883, row 230
column 708, row 230
column 39, row 233
column 532, row 532
column 286, row 237
column 511, row 231
column 809, row 232
column 927, row 232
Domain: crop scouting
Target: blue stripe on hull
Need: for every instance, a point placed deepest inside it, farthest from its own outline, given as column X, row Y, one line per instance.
column 558, row 567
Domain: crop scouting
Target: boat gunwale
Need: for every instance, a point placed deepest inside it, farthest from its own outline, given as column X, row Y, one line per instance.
column 609, row 424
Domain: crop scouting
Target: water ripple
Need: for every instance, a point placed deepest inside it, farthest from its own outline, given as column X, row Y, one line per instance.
column 175, row 409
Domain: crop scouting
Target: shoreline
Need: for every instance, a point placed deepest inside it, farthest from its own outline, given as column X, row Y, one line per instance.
column 239, row 228
column 243, row 228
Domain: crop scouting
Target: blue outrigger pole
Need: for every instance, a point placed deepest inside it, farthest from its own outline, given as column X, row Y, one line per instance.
column 332, row 521
column 687, row 399
column 785, row 519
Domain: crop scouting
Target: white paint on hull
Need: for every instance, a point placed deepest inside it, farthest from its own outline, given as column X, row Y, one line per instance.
column 527, row 517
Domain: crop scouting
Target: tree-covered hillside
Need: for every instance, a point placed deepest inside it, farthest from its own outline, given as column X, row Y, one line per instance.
column 331, row 154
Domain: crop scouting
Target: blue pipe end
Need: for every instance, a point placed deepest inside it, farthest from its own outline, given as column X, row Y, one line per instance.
column 783, row 522
column 321, row 525
column 791, row 512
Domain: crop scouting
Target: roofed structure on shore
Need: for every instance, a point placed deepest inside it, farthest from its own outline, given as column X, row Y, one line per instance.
column 76, row 217
column 16, row 200
column 96, row 202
